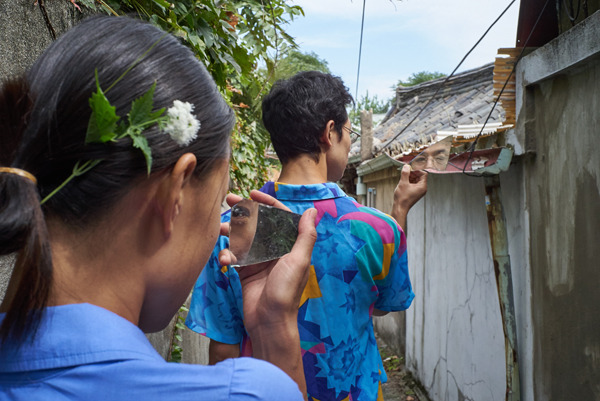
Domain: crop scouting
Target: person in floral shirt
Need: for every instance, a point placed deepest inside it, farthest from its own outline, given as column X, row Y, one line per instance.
column 359, row 262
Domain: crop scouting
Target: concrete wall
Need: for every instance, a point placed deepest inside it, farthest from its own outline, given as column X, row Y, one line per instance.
column 24, row 33
column 560, row 94
column 455, row 340
column 454, row 335
column 390, row 328
column 23, row 37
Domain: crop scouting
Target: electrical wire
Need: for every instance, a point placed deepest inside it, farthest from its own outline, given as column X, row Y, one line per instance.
column 449, row 76
column 474, row 144
column 362, row 25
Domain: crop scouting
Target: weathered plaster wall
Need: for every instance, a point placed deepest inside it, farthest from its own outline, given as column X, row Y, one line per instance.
column 558, row 93
column 517, row 221
column 194, row 346
column 454, row 335
column 455, row 341
column 551, row 199
column 6, row 266
column 564, row 198
column 23, row 37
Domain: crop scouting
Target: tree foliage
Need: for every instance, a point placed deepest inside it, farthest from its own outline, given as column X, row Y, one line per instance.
column 366, row 103
column 420, row 77
column 296, row 61
column 232, row 38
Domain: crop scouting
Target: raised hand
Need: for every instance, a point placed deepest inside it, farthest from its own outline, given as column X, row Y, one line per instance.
column 411, row 187
column 271, row 294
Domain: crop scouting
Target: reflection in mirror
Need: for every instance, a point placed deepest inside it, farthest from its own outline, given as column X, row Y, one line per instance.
column 435, row 157
column 259, row 233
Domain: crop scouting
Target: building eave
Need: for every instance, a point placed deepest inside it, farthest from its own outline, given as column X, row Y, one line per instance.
column 373, row 165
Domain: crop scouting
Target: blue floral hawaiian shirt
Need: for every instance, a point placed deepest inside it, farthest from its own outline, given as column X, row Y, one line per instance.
column 358, row 263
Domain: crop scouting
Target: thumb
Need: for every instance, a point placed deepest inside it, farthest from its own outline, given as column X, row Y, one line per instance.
column 406, row 169
column 307, row 235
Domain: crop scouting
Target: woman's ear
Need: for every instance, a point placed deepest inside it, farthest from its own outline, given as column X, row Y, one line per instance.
column 171, row 190
column 326, row 136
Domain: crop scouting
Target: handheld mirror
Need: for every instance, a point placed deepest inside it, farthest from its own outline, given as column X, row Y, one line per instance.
column 259, row 233
column 434, row 158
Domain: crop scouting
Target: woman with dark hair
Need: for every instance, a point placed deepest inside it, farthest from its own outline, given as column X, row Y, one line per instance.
column 112, row 206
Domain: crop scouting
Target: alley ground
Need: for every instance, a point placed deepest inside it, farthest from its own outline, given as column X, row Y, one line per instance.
column 401, row 386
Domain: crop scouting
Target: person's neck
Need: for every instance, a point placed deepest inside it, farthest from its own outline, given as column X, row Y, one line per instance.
column 304, row 170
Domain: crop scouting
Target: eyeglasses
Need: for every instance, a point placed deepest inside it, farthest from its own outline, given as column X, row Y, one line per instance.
column 353, row 134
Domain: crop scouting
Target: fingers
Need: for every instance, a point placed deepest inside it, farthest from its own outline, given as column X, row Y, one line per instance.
column 259, row 197
column 266, row 199
column 224, row 229
column 232, row 199
column 418, row 177
column 226, row 257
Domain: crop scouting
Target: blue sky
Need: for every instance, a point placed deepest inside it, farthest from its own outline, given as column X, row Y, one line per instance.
column 401, row 37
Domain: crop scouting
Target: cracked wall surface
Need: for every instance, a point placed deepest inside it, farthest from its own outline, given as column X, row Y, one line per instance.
column 454, row 335
column 455, row 342
column 23, row 37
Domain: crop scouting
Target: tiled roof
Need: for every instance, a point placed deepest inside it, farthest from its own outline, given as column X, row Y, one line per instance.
column 465, row 99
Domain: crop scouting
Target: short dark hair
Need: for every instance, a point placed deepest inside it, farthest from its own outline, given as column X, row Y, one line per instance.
column 43, row 121
column 296, row 111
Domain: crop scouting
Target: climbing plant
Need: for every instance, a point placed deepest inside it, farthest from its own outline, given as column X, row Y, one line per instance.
column 233, row 39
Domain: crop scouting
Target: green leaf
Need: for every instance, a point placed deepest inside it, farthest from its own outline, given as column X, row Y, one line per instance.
column 164, row 5
column 140, row 142
column 87, row 3
column 103, row 121
column 141, row 108
column 156, row 114
column 232, row 62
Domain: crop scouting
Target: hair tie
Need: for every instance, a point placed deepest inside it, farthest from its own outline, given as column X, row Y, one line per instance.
column 18, row 171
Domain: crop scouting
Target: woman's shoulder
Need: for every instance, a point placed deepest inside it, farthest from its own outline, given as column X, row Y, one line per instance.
column 263, row 380
column 231, row 379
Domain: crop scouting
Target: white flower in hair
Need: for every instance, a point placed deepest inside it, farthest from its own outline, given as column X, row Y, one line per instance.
column 181, row 124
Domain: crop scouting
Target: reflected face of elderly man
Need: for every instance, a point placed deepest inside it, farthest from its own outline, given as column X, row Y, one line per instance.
column 434, row 157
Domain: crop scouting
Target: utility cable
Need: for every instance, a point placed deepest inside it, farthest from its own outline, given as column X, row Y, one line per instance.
column 362, row 25
column 472, row 147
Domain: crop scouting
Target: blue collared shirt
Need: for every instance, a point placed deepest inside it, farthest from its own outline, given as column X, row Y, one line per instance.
column 84, row 352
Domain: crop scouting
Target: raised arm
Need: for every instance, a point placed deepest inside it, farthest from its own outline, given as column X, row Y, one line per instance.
column 411, row 187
